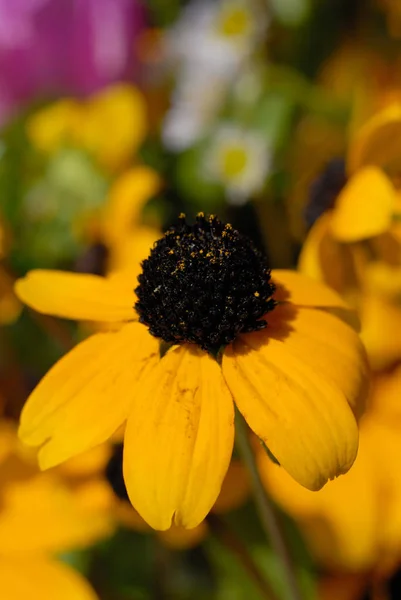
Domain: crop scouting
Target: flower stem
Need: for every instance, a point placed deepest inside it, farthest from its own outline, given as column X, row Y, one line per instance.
column 266, row 512
column 234, row 544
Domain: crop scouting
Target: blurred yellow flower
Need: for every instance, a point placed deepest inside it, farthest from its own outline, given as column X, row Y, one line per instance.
column 355, row 246
column 129, row 241
column 40, row 516
column 368, row 202
column 353, row 524
column 110, row 126
column 178, row 404
column 117, row 238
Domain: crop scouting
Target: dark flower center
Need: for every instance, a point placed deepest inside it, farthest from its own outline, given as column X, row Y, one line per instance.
column 204, row 284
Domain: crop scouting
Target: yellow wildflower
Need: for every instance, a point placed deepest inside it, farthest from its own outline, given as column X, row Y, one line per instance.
column 110, row 125
column 127, row 240
column 40, row 516
column 355, row 247
column 205, row 293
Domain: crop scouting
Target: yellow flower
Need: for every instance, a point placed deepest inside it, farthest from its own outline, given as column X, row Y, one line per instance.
column 110, row 125
column 368, row 202
column 40, row 516
column 204, row 294
column 368, row 277
column 354, row 523
column 127, row 240
column 355, row 247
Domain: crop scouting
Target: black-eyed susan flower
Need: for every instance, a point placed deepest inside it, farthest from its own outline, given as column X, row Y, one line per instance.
column 210, row 326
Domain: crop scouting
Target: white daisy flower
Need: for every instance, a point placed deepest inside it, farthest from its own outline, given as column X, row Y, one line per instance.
column 209, row 46
column 240, row 160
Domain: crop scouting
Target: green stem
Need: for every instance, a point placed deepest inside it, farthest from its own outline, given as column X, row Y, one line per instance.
column 266, row 512
column 234, row 544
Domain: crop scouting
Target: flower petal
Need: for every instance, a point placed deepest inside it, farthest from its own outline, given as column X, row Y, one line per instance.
column 378, row 141
column 304, row 291
column 113, row 124
column 364, row 208
column 325, row 259
column 340, row 521
column 179, row 439
column 41, row 514
column 87, row 395
column 381, row 318
column 77, row 296
column 127, row 198
column 42, row 578
column 126, row 256
column 292, row 392
column 335, row 350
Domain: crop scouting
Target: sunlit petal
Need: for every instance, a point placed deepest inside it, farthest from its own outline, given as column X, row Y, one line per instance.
column 77, row 296
column 179, row 439
column 87, row 395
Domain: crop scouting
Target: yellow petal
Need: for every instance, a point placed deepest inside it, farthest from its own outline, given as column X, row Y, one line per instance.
column 378, row 141
column 126, row 200
column 87, row 395
column 364, row 208
column 113, row 125
column 42, row 515
column 385, row 397
column 42, row 579
column 304, row 291
column 179, row 439
column 381, row 319
column 383, row 279
column 54, row 125
column 339, row 522
column 88, row 463
column 325, row 259
column 291, row 391
column 334, row 349
column 77, row 296
column 127, row 254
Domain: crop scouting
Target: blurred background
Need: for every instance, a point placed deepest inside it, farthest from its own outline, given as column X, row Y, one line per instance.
column 282, row 117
